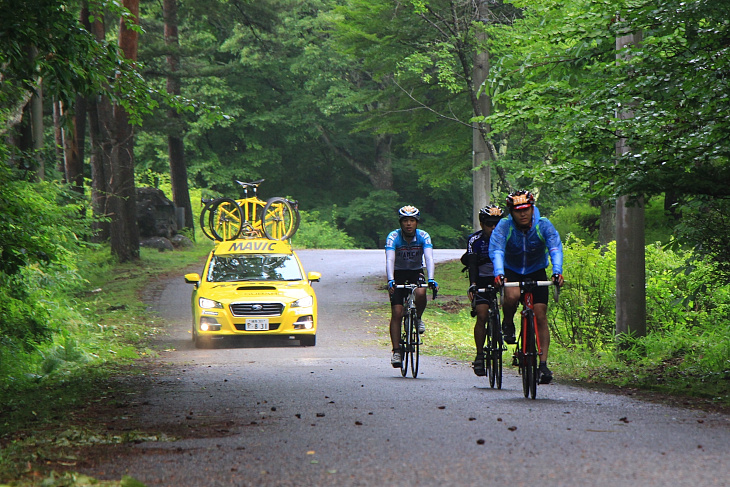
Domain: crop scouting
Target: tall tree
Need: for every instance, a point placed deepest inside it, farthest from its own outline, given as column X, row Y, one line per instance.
column 175, row 144
column 630, row 258
column 124, row 232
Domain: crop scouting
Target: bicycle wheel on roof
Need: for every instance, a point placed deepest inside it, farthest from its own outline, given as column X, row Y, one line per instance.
column 226, row 219
column 280, row 219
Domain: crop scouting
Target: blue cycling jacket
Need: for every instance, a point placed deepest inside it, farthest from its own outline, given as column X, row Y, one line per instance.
column 525, row 252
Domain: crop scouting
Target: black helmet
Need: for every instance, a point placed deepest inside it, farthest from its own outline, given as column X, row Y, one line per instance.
column 409, row 211
column 490, row 213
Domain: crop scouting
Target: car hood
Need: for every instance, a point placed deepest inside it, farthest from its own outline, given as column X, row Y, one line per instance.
column 237, row 291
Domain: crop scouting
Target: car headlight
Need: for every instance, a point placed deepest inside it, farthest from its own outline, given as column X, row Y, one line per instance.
column 303, row 302
column 206, row 303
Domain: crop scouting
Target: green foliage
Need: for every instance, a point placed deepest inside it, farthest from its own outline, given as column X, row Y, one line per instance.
column 370, row 219
column 561, row 82
column 579, row 220
column 41, row 226
column 585, row 312
column 316, row 232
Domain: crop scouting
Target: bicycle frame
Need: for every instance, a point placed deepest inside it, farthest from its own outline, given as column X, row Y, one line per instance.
column 410, row 342
column 528, row 349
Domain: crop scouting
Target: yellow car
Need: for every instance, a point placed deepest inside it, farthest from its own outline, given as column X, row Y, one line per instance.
column 254, row 287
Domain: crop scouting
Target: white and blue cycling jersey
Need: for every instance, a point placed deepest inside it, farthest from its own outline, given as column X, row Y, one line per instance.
column 409, row 256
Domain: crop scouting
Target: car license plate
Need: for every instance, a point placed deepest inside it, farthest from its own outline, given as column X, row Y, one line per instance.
column 255, row 324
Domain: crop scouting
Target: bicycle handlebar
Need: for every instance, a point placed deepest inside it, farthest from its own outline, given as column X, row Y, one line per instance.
column 556, row 294
column 534, row 283
column 414, row 286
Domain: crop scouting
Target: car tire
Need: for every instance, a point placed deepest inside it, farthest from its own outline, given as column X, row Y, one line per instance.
column 203, row 342
column 307, row 340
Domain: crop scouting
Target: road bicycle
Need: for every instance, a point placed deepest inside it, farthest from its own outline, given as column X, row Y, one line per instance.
column 494, row 344
column 250, row 217
column 410, row 341
column 528, row 351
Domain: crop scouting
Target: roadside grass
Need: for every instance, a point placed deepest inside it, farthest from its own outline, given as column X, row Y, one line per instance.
column 108, row 336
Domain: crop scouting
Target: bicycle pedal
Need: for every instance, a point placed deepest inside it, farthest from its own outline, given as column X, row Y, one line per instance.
column 515, row 361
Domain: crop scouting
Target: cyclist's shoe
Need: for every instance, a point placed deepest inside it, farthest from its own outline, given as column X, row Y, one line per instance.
column 544, row 373
column 508, row 333
column 396, row 361
column 478, row 365
column 421, row 327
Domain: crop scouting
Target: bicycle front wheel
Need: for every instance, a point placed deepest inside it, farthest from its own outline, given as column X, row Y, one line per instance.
column 495, row 359
column 405, row 344
column 226, row 219
column 529, row 377
column 415, row 344
column 280, row 219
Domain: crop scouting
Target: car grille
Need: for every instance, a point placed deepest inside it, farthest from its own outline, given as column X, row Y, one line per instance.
column 257, row 309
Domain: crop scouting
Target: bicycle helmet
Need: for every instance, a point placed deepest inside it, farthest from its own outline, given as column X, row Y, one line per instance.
column 409, row 211
column 520, row 199
column 490, row 213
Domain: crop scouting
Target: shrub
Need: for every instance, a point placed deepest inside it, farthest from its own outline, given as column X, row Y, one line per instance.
column 585, row 313
column 316, row 232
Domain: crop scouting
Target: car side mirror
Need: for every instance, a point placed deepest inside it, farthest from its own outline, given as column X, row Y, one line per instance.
column 192, row 278
column 314, row 276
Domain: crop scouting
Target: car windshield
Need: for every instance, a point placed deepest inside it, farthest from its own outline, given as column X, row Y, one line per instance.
column 254, row 267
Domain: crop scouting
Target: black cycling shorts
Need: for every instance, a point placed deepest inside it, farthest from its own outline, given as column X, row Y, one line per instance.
column 539, row 294
column 485, row 297
column 399, row 296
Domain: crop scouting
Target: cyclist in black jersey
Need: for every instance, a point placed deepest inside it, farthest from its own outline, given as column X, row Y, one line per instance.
column 481, row 275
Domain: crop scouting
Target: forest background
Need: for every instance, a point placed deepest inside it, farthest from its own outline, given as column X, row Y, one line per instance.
column 354, row 108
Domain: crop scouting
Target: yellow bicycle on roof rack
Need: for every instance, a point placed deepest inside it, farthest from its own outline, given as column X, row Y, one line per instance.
column 250, row 217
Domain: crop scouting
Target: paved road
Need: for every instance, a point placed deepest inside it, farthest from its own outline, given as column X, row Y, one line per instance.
column 338, row 414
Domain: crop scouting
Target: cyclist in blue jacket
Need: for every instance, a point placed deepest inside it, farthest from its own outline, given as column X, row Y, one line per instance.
column 519, row 248
column 405, row 250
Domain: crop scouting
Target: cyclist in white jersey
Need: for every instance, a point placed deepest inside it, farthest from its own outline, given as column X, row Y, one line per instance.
column 405, row 251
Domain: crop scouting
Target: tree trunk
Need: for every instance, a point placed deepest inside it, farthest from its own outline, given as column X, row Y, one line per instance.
column 382, row 177
column 630, row 246
column 36, row 109
column 124, row 230
column 74, row 140
column 481, row 163
column 58, row 137
column 381, row 172
column 100, row 122
column 175, row 146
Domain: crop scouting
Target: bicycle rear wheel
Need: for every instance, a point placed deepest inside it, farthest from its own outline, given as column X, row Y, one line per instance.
column 205, row 219
column 280, row 219
column 415, row 344
column 226, row 219
column 405, row 344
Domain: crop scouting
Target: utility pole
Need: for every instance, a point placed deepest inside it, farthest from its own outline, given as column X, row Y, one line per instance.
column 630, row 246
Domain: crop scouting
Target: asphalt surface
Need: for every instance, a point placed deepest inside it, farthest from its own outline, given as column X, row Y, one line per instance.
column 271, row 413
